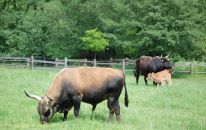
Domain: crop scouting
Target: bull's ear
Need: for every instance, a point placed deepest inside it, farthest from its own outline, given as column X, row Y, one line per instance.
column 38, row 98
column 50, row 98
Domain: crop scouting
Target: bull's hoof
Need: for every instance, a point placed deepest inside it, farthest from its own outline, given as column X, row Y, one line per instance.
column 43, row 122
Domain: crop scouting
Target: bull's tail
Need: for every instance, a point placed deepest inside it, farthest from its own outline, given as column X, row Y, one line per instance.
column 137, row 69
column 126, row 100
column 135, row 73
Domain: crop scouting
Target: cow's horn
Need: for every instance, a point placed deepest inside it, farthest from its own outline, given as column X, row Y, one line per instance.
column 161, row 56
column 33, row 96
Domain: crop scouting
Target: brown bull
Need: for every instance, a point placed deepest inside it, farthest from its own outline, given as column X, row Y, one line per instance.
column 73, row 85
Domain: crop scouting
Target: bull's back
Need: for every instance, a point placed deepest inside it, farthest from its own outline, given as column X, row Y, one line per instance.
column 95, row 84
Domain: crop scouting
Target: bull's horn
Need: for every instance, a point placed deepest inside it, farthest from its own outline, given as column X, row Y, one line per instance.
column 33, row 96
column 167, row 55
column 161, row 56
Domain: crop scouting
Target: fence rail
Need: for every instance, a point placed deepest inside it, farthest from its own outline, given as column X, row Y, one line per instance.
column 124, row 64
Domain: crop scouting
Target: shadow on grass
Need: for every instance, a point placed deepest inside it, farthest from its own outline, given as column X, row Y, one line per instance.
column 58, row 118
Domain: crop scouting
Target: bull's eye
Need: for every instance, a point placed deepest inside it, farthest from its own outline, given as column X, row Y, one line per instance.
column 47, row 113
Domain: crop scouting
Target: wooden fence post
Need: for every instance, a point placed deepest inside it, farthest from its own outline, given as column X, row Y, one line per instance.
column 94, row 63
column 65, row 62
column 123, row 65
column 190, row 71
column 32, row 62
column 85, row 62
column 3, row 60
column 44, row 61
column 28, row 62
column 110, row 61
column 56, row 60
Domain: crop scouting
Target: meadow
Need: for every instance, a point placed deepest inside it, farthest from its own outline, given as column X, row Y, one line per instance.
column 181, row 106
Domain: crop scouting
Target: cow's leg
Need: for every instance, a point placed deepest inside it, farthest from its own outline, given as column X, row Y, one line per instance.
column 154, row 83
column 65, row 115
column 77, row 103
column 170, row 82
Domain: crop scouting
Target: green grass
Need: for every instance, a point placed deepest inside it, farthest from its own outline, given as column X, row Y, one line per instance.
column 179, row 107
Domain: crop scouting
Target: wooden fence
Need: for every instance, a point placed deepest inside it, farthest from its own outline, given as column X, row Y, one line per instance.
column 61, row 63
column 124, row 64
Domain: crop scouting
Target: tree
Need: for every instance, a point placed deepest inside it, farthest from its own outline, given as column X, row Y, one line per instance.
column 94, row 41
column 54, row 28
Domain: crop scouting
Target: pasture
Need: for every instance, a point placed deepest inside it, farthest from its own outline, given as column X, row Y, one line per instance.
column 179, row 107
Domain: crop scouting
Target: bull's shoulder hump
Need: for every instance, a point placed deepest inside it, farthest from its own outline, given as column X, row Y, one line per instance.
column 99, row 70
column 67, row 70
column 62, row 70
column 95, row 68
column 91, row 70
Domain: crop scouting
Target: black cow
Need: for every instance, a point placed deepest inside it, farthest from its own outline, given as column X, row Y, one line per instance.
column 148, row 64
column 88, row 84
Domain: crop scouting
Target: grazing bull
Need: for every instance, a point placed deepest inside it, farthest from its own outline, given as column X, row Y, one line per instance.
column 73, row 85
column 161, row 77
column 148, row 64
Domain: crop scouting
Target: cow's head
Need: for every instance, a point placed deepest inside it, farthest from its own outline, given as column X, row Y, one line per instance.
column 150, row 76
column 46, row 108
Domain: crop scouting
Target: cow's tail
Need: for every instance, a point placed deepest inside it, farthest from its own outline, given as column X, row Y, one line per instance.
column 126, row 100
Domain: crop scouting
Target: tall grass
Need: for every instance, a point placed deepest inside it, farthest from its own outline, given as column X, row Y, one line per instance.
column 181, row 106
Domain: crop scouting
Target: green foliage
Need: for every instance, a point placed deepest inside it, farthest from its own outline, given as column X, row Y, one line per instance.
column 94, row 41
column 54, row 28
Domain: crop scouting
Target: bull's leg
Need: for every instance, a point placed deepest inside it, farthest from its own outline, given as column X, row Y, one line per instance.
column 114, row 107
column 66, row 112
column 77, row 103
column 110, row 105
column 137, row 78
column 93, row 107
column 65, row 115
column 145, row 79
column 117, row 111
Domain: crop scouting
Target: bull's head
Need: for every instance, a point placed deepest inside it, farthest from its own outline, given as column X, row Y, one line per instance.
column 166, row 58
column 46, row 107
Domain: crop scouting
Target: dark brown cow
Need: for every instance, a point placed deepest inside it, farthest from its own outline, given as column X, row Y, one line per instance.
column 148, row 64
column 73, row 85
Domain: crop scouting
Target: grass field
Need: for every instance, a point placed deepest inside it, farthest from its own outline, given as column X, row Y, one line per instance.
column 179, row 107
